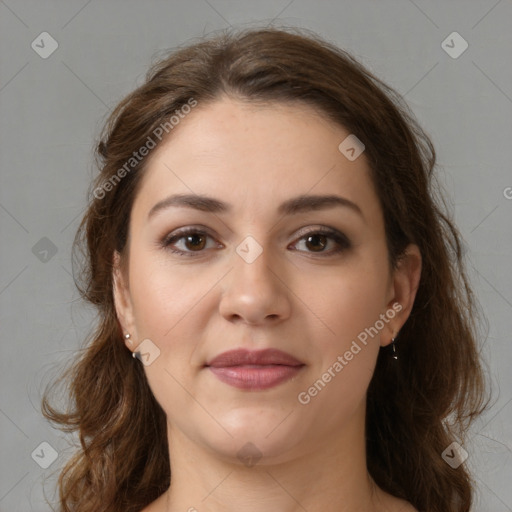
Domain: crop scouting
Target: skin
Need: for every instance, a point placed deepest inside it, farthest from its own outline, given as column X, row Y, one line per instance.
column 298, row 296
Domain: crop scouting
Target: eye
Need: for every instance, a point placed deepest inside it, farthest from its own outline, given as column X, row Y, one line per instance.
column 189, row 241
column 324, row 241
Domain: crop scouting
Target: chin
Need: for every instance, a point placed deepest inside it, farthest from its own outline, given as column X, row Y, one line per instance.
column 259, row 436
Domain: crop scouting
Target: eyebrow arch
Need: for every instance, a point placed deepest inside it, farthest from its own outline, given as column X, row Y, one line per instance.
column 300, row 204
column 306, row 203
column 197, row 202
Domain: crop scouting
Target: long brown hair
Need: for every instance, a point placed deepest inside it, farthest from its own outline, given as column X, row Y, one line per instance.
column 416, row 406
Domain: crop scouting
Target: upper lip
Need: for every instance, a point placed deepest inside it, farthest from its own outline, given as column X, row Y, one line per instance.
column 239, row 357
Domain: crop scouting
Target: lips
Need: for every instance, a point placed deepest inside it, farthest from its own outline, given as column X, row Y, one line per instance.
column 241, row 357
column 254, row 370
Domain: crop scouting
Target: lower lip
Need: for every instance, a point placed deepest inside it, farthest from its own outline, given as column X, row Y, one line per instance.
column 255, row 377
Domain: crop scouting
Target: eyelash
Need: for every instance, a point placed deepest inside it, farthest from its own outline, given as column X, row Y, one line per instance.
column 338, row 237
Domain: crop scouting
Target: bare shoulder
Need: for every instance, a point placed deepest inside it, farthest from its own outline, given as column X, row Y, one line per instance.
column 405, row 506
column 394, row 504
column 156, row 506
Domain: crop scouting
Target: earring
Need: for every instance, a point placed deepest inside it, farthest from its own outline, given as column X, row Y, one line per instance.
column 135, row 355
column 394, row 354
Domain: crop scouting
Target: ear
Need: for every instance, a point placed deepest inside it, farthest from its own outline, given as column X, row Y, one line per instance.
column 122, row 300
column 404, row 285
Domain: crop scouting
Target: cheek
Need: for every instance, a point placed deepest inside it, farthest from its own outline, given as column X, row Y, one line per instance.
column 347, row 300
column 169, row 308
column 349, row 303
column 339, row 382
column 166, row 296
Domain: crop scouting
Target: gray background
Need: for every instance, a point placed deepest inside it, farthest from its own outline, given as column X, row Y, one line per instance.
column 52, row 110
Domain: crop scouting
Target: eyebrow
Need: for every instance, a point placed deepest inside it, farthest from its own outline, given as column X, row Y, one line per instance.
column 300, row 204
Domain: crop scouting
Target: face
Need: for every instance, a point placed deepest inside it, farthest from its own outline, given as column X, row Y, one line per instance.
column 251, row 230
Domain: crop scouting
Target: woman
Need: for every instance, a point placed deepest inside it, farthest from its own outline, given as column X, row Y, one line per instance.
column 265, row 240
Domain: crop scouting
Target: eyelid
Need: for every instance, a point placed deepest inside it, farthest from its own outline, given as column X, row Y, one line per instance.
column 186, row 230
column 339, row 237
column 180, row 233
column 318, row 228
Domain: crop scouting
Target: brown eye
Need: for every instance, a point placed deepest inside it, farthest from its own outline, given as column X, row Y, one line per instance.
column 316, row 243
column 190, row 242
column 195, row 242
column 323, row 241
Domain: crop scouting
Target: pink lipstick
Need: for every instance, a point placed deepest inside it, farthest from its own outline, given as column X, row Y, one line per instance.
column 254, row 370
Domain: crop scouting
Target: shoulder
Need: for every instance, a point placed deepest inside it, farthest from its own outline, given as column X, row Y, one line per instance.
column 156, row 506
column 394, row 504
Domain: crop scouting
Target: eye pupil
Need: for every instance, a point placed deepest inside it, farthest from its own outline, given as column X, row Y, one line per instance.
column 316, row 243
column 195, row 242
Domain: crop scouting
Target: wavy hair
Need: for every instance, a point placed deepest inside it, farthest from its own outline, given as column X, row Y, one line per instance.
column 416, row 406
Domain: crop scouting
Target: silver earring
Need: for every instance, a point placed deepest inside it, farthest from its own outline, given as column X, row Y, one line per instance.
column 127, row 336
column 394, row 354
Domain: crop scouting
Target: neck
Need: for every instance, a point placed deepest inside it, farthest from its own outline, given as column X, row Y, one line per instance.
column 331, row 475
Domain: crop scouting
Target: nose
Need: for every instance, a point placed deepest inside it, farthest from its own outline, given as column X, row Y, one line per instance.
column 255, row 292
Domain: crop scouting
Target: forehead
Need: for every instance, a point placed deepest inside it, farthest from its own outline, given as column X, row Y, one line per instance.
column 254, row 156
